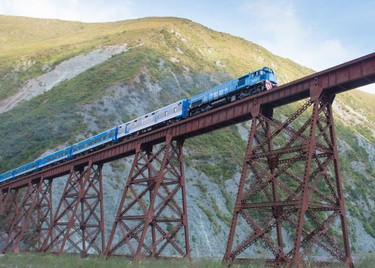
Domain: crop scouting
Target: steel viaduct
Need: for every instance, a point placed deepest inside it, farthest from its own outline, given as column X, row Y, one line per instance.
column 290, row 196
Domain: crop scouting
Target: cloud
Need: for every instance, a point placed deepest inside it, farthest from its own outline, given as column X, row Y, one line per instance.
column 276, row 25
column 81, row 10
column 368, row 88
column 280, row 26
column 40, row 8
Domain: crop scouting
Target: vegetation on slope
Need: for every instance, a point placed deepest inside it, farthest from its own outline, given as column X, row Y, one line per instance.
column 73, row 261
column 183, row 47
column 30, row 47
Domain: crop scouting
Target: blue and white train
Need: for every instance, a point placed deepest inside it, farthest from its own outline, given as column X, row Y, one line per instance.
column 250, row 84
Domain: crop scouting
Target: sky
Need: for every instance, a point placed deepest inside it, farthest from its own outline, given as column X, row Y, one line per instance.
column 315, row 33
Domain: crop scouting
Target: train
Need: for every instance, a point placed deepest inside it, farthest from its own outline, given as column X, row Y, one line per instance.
column 247, row 85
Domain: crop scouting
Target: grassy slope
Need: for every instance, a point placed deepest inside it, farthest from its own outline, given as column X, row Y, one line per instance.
column 27, row 45
column 360, row 109
column 72, row 261
column 56, row 113
column 357, row 121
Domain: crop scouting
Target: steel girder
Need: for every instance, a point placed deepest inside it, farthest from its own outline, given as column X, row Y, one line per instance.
column 290, row 199
column 78, row 224
column 151, row 220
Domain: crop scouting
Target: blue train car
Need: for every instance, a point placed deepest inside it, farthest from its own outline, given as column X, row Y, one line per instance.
column 26, row 168
column 7, row 175
column 97, row 140
column 214, row 93
column 63, row 154
column 249, row 84
column 11, row 174
column 173, row 111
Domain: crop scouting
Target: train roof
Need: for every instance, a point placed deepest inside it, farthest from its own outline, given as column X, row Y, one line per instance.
column 158, row 110
column 267, row 69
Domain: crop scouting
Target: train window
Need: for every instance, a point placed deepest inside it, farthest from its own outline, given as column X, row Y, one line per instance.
column 166, row 112
column 268, row 70
column 175, row 109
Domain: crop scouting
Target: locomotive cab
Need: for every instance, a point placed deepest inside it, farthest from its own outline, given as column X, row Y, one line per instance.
column 268, row 75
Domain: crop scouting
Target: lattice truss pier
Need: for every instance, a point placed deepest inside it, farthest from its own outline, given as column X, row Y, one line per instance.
column 290, row 200
column 152, row 218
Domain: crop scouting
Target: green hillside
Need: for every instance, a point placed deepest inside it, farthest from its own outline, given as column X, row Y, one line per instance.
column 29, row 47
column 178, row 58
column 55, row 114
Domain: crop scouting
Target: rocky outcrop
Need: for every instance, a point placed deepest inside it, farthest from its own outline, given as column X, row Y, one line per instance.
column 61, row 72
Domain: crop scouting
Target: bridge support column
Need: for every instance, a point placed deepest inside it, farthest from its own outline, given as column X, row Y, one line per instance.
column 9, row 212
column 78, row 224
column 42, row 216
column 30, row 221
column 151, row 220
column 22, row 221
column 290, row 200
column 2, row 197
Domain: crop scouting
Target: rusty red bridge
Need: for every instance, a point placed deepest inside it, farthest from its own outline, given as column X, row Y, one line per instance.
column 290, row 197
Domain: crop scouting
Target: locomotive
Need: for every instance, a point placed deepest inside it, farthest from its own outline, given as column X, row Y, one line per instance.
column 247, row 85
